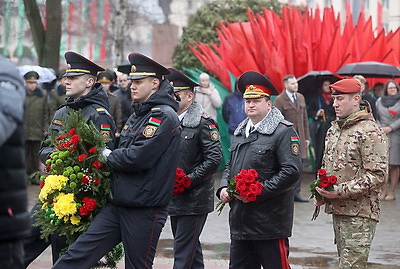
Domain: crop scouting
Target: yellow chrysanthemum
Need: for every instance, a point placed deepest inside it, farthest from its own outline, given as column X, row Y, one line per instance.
column 65, row 205
column 75, row 220
column 44, row 206
column 52, row 183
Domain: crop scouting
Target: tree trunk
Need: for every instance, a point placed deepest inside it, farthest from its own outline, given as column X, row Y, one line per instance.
column 35, row 22
column 118, row 54
column 51, row 55
column 46, row 41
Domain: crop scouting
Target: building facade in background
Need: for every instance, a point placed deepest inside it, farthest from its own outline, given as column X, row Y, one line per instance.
column 89, row 26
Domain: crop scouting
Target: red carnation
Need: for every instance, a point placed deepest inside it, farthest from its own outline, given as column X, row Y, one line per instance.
column 83, row 210
column 75, row 139
column 393, row 112
column 98, row 164
column 332, row 180
column 82, row 157
column 324, row 183
column 71, row 132
column 96, row 181
column 321, row 172
column 85, row 179
column 92, row 150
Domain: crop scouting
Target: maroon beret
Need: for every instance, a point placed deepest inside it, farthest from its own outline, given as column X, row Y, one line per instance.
column 344, row 86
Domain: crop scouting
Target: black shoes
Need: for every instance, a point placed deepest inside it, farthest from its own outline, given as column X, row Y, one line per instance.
column 298, row 198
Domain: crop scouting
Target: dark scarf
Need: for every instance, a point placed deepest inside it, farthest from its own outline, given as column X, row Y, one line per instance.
column 388, row 101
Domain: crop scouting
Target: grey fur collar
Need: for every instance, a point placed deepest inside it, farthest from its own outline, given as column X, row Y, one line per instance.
column 193, row 115
column 268, row 124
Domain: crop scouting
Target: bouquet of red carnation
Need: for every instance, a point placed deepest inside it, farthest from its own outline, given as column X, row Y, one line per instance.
column 182, row 182
column 322, row 181
column 392, row 112
column 244, row 184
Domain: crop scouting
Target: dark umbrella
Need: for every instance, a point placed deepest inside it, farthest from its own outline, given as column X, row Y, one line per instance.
column 310, row 83
column 370, row 70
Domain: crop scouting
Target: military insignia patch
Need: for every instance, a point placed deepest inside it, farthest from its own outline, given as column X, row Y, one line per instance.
column 149, row 131
column 294, row 139
column 296, row 148
column 105, row 133
column 105, row 127
column 125, row 127
column 214, row 134
column 57, row 122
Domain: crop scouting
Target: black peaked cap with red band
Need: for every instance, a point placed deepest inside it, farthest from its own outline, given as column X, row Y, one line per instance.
column 253, row 84
column 180, row 81
column 78, row 65
column 143, row 66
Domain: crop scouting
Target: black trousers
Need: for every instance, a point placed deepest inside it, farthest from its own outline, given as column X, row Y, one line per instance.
column 12, row 254
column 34, row 245
column 187, row 247
column 252, row 254
column 138, row 228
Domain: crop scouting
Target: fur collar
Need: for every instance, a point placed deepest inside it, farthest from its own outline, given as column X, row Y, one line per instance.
column 268, row 124
column 193, row 115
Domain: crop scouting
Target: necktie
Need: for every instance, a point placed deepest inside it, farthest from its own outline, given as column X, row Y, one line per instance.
column 294, row 98
column 251, row 129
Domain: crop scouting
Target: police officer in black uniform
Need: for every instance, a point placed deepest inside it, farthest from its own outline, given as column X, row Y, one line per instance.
column 200, row 156
column 142, row 180
column 83, row 94
column 266, row 142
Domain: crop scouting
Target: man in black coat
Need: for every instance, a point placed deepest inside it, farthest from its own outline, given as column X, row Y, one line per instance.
column 200, row 156
column 142, row 180
column 83, row 94
column 268, row 143
column 14, row 217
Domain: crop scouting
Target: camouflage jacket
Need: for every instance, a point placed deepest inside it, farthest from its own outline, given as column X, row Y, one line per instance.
column 356, row 152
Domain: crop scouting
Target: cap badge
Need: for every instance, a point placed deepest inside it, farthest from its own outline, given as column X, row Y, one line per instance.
column 133, row 69
column 68, row 66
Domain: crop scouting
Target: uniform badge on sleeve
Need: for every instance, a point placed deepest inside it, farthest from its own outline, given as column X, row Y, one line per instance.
column 295, row 145
column 149, row 131
column 57, row 122
column 105, row 130
column 214, row 134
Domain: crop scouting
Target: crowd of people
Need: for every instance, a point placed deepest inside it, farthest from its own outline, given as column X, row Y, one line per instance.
column 158, row 120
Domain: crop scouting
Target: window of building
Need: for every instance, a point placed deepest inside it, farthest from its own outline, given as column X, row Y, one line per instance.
column 366, row 5
column 385, row 4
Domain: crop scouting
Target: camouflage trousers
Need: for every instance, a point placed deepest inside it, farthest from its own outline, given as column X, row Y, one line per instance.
column 353, row 238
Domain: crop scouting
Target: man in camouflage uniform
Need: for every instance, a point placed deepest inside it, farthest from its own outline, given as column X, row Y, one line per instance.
column 356, row 152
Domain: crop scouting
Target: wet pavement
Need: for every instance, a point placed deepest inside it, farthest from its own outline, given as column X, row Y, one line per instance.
column 311, row 245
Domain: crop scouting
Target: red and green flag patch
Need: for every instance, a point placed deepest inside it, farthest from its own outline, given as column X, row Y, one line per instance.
column 294, row 139
column 105, row 127
column 155, row 121
column 212, row 126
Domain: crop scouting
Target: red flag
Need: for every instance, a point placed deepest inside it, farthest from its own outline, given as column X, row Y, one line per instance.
column 379, row 21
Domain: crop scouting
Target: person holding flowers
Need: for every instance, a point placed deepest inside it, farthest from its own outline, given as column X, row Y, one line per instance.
column 142, row 178
column 388, row 107
column 85, row 95
column 356, row 153
column 265, row 148
column 200, row 156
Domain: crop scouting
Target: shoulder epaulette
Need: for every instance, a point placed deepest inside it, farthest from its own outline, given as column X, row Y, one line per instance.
column 287, row 123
